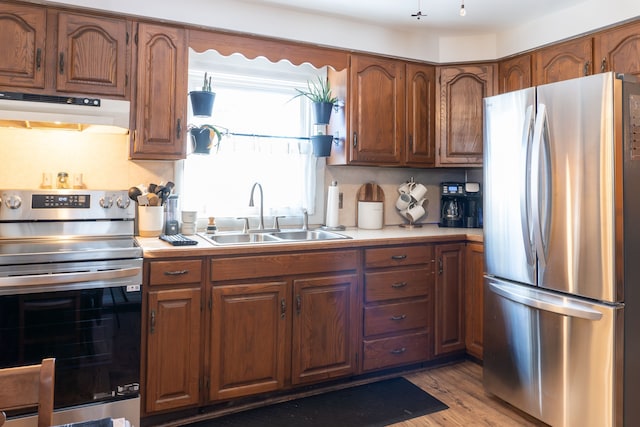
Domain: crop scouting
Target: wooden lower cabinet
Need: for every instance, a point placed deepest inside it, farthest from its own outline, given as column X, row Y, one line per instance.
column 397, row 306
column 281, row 320
column 323, row 328
column 172, row 333
column 248, row 339
column 449, row 299
column 474, row 298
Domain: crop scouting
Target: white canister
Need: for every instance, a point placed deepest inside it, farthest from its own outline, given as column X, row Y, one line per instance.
column 370, row 215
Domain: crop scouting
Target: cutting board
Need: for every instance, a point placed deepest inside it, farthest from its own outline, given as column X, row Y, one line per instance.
column 369, row 192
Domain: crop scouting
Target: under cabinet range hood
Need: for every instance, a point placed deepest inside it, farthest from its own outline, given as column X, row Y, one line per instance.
column 32, row 111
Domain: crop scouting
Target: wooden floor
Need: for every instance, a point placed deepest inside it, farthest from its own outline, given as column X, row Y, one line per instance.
column 459, row 386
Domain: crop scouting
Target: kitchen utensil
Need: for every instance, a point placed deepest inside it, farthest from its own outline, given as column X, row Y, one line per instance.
column 134, row 192
column 154, row 200
column 143, row 200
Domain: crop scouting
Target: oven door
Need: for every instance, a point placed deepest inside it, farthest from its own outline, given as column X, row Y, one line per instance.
column 85, row 314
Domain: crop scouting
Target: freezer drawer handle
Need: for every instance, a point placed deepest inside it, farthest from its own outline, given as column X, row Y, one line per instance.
column 572, row 310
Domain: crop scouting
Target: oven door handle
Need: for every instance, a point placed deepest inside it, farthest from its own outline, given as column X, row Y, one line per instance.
column 68, row 278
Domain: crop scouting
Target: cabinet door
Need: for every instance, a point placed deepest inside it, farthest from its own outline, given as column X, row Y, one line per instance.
column 420, row 111
column 248, row 339
column 618, row 50
column 324, row 333
column 564, row 61
column 474, row 300
column 514, row 73
column 161, row 99
column 449, row 299
column 173, row 349
column 23, row 35
column 460, row 109
column 377, row 110
column 93, row 55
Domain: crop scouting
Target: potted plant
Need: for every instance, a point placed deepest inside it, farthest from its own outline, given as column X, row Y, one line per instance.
column 320, row 94
column 202, row 138
column 202, row 100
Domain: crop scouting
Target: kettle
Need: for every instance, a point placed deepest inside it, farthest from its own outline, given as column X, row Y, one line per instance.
column 451, row 210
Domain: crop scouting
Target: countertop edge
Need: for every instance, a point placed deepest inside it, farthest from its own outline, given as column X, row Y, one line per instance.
column 154, row 248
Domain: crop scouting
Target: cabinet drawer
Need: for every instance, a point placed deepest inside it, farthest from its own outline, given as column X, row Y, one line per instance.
column 175, row 272
column 382, row 353
column 260, row 266
column 400, row 283
column 391, row 318
column 398, row 255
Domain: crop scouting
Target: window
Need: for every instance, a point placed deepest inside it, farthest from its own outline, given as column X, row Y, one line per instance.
column 265, row 138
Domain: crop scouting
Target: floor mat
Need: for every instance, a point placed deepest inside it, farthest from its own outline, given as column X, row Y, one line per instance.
column 375, row 404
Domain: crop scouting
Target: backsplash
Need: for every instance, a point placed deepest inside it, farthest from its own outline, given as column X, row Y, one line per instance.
column 351, row 178
column 101, row 159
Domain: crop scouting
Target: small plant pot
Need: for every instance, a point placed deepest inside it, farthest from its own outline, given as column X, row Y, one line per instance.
column 322, row 145
column 322, row 112
column 201, row 140
column 202, row 103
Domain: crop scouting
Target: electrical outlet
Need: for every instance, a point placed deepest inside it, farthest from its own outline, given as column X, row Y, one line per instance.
column 339, row 200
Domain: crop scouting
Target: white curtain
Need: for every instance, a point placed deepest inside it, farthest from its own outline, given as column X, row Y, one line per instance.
column 219, row 184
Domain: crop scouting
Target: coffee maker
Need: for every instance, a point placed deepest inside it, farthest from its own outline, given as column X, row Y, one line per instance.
column 460, row 205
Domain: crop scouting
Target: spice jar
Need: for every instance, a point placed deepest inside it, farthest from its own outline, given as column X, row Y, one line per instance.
column 63, row 180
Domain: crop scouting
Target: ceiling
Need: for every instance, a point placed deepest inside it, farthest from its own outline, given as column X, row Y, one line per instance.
column 441, row 15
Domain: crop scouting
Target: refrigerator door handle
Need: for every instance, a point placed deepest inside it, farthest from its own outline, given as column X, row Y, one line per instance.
column 525, row 194
column 566, row 308
column 540, row 184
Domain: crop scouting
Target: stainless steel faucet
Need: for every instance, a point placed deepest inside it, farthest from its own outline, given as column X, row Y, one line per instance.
column 261, row 224
column 305, row 219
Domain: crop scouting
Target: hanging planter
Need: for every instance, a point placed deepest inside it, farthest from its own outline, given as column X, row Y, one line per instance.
column 202, row 100
column 202, row 138
column 322, row 112
column 320, row 94
column 322, row 145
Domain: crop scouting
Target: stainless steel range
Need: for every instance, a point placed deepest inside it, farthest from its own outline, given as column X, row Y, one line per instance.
column 70, row 288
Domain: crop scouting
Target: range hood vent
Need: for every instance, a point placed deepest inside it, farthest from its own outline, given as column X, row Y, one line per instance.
column 30, row 111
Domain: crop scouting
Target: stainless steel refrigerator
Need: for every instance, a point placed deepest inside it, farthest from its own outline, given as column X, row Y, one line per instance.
column 562, row 250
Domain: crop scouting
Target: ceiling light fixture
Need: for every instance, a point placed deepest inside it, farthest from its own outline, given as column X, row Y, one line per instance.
column 463, row 11
column 418, row 14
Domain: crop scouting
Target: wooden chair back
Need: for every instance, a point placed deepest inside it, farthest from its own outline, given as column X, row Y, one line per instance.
column 29, row 386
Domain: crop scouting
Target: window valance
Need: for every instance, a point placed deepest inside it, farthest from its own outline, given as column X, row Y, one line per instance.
column 274, row 50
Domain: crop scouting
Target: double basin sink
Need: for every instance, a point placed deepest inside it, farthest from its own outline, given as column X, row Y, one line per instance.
column 285, row 236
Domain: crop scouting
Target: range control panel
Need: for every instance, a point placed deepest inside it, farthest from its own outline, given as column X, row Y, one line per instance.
column 49, row 201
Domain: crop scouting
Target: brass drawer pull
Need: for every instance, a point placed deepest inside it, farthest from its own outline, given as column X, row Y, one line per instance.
column 398, row 285
column 398, row 350
column 401, row 317
column 176, row 273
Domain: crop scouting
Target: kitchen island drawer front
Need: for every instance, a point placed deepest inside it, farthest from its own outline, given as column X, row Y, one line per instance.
column 260, row 266
column 398, row 256
column 175, row 272
column 395, row 284
column 393, row 318
column 383, row 353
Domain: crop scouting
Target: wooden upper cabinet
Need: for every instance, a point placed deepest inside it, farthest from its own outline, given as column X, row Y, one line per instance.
column 161, row 99
column 420, row 111
column 618, row 50
column 377, row 110
column 23, row 35
column 564, row 61
column 93, row 54
column 460, row 113
column 514, row 73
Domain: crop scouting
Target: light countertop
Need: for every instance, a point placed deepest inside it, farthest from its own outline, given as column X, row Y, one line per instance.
column 390, row 235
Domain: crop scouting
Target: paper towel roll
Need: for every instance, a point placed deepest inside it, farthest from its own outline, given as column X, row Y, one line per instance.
column 333, row 196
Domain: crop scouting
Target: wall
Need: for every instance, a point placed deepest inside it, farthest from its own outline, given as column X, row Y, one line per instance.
column 102, row 159
column 423, row 44
column 351, row 178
